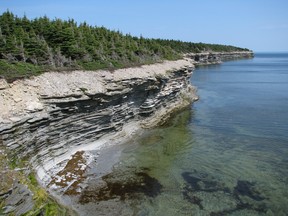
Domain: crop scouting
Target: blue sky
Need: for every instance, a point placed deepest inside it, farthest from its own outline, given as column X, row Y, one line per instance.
column 260, row 25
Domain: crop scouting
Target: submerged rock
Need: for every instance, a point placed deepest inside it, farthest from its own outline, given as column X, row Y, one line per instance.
column 201, row 186
column 122, row 185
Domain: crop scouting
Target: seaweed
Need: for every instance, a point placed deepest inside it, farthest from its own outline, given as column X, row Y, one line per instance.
column 140, row 183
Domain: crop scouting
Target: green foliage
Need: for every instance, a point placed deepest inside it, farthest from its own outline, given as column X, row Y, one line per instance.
column 33, row 180
column 29, row 47
column 94, row 65
column 44, row 204
column 16, row 70
column 52, row 209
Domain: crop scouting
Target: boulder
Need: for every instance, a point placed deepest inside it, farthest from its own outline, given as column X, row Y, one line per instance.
column 3, row 84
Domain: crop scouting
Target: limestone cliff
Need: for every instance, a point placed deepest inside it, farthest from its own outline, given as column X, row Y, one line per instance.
column 48, row 118
column 55, row 111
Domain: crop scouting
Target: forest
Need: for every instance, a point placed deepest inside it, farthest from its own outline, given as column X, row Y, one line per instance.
column 30, row 47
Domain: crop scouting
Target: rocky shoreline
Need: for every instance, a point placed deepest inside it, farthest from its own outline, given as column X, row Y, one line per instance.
column 49, row 123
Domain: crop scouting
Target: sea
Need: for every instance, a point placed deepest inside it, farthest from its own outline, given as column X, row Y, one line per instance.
column 227, row 154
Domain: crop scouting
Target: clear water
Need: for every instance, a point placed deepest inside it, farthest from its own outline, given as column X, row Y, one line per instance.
column 226, row 155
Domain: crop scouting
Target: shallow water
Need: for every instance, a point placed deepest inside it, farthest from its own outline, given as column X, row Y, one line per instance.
column 226, row 155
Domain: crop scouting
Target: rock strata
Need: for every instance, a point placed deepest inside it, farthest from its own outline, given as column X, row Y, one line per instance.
column 205, row 58
column 56, row 112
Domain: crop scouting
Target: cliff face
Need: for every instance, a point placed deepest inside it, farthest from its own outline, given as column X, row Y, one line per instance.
column 48, row 115
column 48, row 118
column 217, row 57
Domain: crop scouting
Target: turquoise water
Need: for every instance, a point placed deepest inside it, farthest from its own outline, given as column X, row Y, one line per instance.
column 225, row 155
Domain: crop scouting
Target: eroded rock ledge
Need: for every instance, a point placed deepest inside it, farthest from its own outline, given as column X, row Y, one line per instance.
column 48, row 118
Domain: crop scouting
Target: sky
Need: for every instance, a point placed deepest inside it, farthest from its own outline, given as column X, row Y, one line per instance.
column 259, row 25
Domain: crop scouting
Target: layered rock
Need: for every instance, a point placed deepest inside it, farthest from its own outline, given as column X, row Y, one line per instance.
column 48, row 118
column 205, row 58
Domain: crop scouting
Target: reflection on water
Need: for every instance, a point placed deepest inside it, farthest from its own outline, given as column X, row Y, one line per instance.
column 227, row 155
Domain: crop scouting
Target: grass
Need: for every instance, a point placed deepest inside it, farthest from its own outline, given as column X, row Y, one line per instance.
column 44, row 204
column 12, row 71
column 94, row 65
column 18, row 70
column 7, row 176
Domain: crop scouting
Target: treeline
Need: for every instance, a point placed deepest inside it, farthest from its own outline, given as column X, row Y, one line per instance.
column 29, row 47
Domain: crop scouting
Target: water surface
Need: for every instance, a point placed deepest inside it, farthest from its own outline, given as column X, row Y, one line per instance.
column 226, row 155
